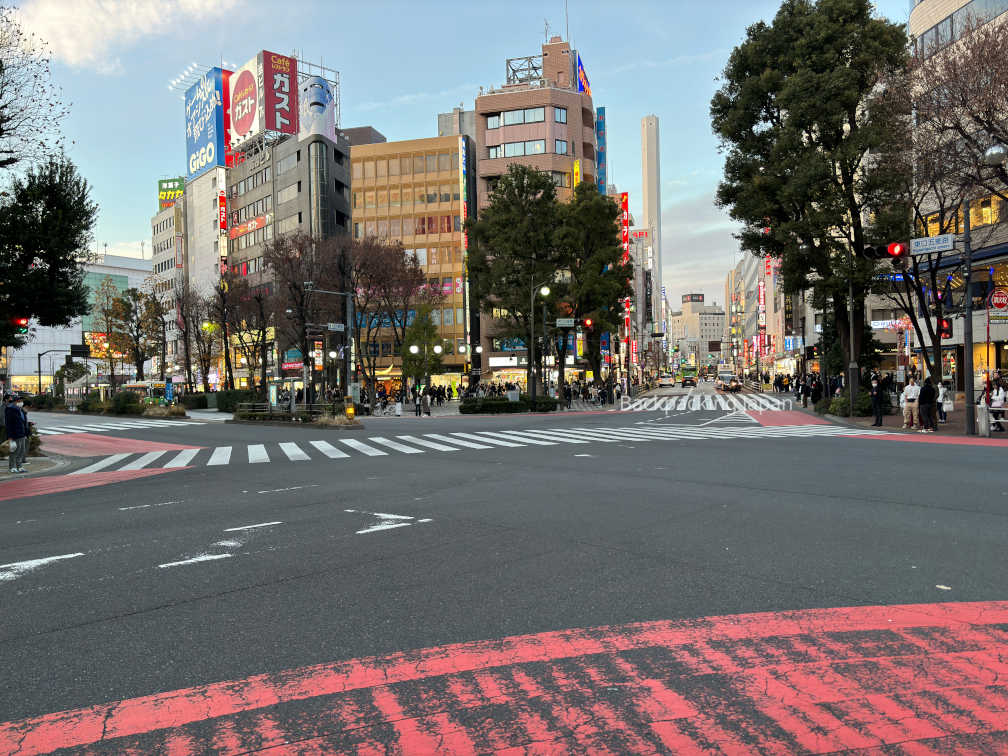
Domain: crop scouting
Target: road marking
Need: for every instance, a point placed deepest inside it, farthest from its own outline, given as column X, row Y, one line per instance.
column 588, row 455
column 329, row 450
column 146, row 506
column 101, row 464
column 257, row 525
column 558, row 436
column 429, row 444
column 943, row 587
column 395, row 445
column 15, row 570
column 228, row 544
column 362, row 447
column 183, row 458
column 456, row 441
column 386, row 521
column 289, row 488
column 526, row 439
column 293, row 452
column 221, row 456
column 200, row 558
column 257, row 453
column 495, row 441
column 144, row 460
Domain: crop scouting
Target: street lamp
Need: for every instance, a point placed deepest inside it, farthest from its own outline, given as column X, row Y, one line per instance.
column 437, row 349
column 544, row 291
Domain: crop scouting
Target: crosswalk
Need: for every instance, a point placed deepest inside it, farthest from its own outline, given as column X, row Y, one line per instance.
column 101, row 427
column 705, row 403
column 383, row 446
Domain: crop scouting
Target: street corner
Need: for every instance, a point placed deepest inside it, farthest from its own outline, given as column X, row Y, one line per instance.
column 922, row 678
column 60, row 482
column 97, row 445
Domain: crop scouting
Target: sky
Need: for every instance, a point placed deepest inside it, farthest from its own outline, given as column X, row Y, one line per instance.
column 401, row 62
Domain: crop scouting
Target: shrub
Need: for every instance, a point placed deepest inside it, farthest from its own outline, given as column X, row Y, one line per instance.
column 840, row 406
column 823, row 406
column 93, row 403
column 127, row 403
column 43, row 401
column 165, row 411
column 228, row 401
column 194, row 401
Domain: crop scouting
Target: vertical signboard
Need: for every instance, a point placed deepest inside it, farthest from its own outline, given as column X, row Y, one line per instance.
column 464, row 189
column 583, row 85
column 222, row 210
column 204, row 110
column 178, row 251
column 170, row 191
column 316, row 109
column 600, row 149
column 625, row 225
column 279, row 82
column 246, row 103
column 633, row 351
column 577, row 174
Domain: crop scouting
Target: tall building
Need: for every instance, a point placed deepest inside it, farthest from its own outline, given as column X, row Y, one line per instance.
column 418, row 192
column 457, row 123
column 168, row 273
column 697, row 331
column 651, row 193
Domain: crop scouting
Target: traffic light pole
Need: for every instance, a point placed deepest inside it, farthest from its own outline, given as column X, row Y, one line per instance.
column 968, row 326
column 853, row 372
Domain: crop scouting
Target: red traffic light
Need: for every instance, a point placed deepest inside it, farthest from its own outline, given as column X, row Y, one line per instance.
column 21, row 321
column 897, row 250
column 587, row 322
column 945, row 328
column 20, row 324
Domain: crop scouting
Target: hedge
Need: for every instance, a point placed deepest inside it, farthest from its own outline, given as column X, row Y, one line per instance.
column 495, row 406
column 127, row 403
column 228, row 401
column 194, row 401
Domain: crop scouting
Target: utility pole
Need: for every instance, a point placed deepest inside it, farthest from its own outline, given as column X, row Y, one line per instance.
column 968, row 326
column 853, row 372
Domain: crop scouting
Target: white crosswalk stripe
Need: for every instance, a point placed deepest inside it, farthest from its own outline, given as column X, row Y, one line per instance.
column 87, row 426
column 376, row 446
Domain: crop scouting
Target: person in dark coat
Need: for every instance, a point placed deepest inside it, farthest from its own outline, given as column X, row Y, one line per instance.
column 875, row 392
column 926, row 406
column 17, row 435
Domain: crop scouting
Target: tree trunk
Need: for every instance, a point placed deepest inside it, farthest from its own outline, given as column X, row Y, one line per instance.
column 138, row 360
column 228, row 372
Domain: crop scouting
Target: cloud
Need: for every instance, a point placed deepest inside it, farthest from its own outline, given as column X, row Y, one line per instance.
column 88, row 33
column 698, row 248
column 414, row 97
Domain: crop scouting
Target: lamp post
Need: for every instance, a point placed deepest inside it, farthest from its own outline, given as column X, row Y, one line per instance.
column 531, row 345
column 437, row 349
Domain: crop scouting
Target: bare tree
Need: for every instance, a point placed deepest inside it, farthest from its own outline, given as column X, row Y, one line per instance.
column 204, row 335
column 185, row 305
column 31, row 104
column 104, row 313
column 250, row 318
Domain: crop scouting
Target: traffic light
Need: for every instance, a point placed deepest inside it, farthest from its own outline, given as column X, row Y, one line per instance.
column 587, row 323
column 897, row 252
column 20, row 325
column 945, row 328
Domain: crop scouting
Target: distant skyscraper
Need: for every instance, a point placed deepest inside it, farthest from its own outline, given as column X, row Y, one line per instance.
column 651, row 185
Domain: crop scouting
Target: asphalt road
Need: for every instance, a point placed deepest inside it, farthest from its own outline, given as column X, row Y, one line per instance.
column 222, row 572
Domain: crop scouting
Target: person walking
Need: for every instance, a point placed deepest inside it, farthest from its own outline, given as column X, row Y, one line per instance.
column 416, row 401
column 910, row 395
column 997, row 397
column 426, row 402
column 875, row 392
column 925, row 404
column 17, row 435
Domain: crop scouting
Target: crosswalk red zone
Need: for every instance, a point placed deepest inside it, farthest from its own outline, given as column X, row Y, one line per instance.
column 914, row 679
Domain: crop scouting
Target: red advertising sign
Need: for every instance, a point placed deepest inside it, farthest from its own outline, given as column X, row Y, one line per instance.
column 291, row 365
column 249, row 226
column 625, row 224
column 279, row 92
column 222, row 210
column 633, row 351
column 999, row 299
column 767, row 267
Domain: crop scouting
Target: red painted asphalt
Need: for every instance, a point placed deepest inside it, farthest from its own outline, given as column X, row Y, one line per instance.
column 930, row 438
column 21, row 488
column 100, row 445
column 920, row 679
column 775, row 418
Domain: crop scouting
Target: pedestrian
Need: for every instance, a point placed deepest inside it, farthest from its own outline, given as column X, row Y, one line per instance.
column 17, row 435
column 943, row 398
column 416, row 401
column 997, row 406
column 926, row 404
column 909, row 401
column 426, row 402
column 876, row 400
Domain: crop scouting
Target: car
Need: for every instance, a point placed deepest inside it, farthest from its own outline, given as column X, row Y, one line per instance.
column 666, row 381
column 727, row 381
column 688, row 380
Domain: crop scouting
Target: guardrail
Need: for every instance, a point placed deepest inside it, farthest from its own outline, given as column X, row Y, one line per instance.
column 265, row 410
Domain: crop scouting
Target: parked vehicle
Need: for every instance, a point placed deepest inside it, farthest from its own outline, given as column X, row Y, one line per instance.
column 727, row 381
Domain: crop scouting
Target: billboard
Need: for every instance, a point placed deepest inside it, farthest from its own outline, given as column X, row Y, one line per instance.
column 204, row 110
column 577, row 174
column 316, row 109
column 625, row 225
column 169, row 192
column 222, row 210
column 600, row 151
column 464, row 189
column 582, row 78
column 693, row 298
column 279, row 97
column 246, row 103
column 260, row 221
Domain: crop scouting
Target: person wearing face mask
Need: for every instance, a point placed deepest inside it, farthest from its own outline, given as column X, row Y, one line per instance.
column 876, row 400
column 17, row 435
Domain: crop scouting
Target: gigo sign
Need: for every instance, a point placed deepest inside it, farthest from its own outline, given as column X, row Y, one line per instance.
column 204, row 107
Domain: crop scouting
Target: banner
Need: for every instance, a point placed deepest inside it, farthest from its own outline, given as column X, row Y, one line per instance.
column 246, row 103
column 204, row 110
column 279, row 81
column 316, row 109
column 248, row 227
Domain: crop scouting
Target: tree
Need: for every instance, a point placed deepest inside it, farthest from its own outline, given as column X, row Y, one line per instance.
column 156, row 313
column 136, row 328
column 68, row 373
column 589, row 246
column 105, row 314
column 250, row 319
column 45, row 229
column 222, row 303
column 205, row 335
column 423, row 334
column 185, row 318
column 31, row 104
column 793, row 119
column 512, row 251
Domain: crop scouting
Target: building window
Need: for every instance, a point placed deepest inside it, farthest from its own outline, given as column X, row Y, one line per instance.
column 394, row 198
column 288, row 224
column 457, row 223
column 421, row 256
column 405, row 166
column 369, row 199
column 535, row 147
column 512, row 117
column 514, row 149
column 432, row 256
column 493, row 121
column 356, row 170
column 288, row 193
column 382, row 198
column 444, row 162
column 432, row 224
column 560, row 115
column 561, row 146
column 495, row 152
column 431, row 163
column 535, row 115
column 448, row 316
column 286, row 164
column 418, row 164
column 407, row 196
column 369, row 169
column 393, row 167
column 446, row 192
column 382, row 168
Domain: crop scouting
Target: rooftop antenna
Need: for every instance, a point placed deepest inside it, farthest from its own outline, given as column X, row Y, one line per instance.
column 546, row 29
column 566, row 23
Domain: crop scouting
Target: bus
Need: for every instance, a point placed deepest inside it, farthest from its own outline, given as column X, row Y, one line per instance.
column 688, row 376
column 151, row 392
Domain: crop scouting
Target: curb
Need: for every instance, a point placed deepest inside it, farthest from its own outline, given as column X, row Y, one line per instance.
column 59, row 462
column 279, row 424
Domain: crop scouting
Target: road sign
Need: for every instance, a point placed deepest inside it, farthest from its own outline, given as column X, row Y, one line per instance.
column 565, row 322
column 927, row 244
column 338, row 327
column 999, row 305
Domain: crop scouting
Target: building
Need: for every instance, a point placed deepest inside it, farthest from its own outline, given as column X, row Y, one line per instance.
column 651, row 197
column 31, row 367
column 418, row 192
column 696, row 332
column 457, row 123
column 168, row 273
column 358, row 135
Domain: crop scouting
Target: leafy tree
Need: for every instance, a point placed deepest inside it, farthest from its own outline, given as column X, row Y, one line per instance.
column 590, row 250
column 68, row 373
column 45, row 227
column 156, row 313
column 795, row 124
column 105, row 314
column 513, row 252
column 423, row 334
column 204, row 332
column 30, row 103
column 136, row 328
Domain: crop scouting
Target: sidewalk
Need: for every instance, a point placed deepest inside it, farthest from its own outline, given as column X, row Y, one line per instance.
column 955, row 427
column 208, row 415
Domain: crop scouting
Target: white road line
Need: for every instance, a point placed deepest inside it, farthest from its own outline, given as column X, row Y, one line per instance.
column 525, row 439
column 362, row 447
column 257, row 453
column 183, row 458
column 257, row 525
column 221, row 456
column 200, row 558
column 102, row 464
column 558, row 436
column 143, row 461
column 495, row 441
column 15, row 570
column 329, row 450
column 394, row 445
column 384, row 526
column 44, row 432
column 293, row 452
column 75, row 428
column 456, row 441
column 429, row 444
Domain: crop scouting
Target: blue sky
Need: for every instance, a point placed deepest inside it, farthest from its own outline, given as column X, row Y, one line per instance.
column 401, row 62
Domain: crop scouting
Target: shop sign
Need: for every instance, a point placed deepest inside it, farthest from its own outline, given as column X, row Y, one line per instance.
column 291, row 365
column 999, row 305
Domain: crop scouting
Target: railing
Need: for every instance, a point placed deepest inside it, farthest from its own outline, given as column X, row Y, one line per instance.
column 267, row 411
